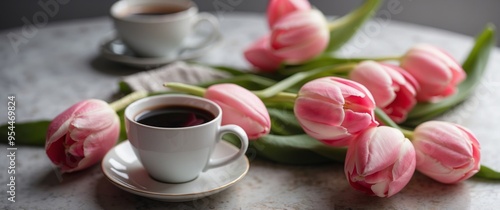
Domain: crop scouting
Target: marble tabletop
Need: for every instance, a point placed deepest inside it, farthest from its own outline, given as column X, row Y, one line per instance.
column 59, row 64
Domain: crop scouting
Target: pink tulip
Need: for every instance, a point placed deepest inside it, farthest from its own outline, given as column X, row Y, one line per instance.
column 380, row 161
column 81, row 135
column 300, row 36
column 241, row 107
column 446, row 152
column 437, row 73
column 392, row 88
column 334, row 110
column 277, row 9
column 262, row 56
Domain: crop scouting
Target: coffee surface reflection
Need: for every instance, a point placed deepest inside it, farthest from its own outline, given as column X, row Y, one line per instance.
column 174, row 116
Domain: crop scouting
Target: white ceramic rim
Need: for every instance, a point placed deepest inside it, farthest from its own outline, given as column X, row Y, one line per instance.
column 169, row 196
column 131, row 116
column 117, row 10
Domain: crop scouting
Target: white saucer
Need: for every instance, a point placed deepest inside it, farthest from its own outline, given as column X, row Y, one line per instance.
column 123, row 169
column 115, row 50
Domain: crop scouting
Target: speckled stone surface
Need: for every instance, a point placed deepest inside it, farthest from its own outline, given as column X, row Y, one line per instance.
column 60, row 65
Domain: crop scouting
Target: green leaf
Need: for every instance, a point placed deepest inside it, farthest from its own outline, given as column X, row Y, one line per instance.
column 284, row 122
column 248, row 81
column 230, row 70
column 487, row 173
column 345, row 27
column 123, row 132
column 124, row 87
column 385, row 119
column 29, row 133
column 474, row 66
column 34, row 133
column 296, row 149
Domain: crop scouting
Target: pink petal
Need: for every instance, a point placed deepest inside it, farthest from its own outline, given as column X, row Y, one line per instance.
column 357, row 97
column 66, row 143
column 305, row 51
column 402, row 104
column 380, row 161
column 277, row 9
column 260, row 55
column 381, row 149
column 301, row 18
column 282, row 38
column 300, row 36
column 376, row 79
column 91, row 121
column 319, row 111
column 324, row 89
column 243, row 102
column 59, row 125
column 357, row 122
column 446, row 152
column 423, row 60
column 233, row 115
column 445, row 142
column 403, row 169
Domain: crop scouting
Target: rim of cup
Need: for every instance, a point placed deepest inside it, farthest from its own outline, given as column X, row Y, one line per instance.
column 131, row 117
column 120, row 10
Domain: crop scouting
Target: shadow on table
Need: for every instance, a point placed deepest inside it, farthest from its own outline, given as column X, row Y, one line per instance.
column 53, row 177
column 420, row 193
column 111, row 197
column 102, row 65
column 325, row 187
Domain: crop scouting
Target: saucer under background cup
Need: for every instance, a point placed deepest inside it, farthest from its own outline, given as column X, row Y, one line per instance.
column 115, row 50
column 122, row 168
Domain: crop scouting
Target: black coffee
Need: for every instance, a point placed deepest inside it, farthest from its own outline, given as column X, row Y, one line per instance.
column 154, row 10
column 175, row 116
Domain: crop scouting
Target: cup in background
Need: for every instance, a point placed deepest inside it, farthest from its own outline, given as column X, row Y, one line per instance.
column 180, row 154
column 157, row 28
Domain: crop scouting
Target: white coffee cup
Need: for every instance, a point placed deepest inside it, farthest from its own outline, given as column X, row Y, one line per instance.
column 157, row 28
column 179, row 154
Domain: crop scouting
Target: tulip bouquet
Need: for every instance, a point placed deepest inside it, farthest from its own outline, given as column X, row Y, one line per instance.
column 303, row 105
column 356, row 110
column 80, row 136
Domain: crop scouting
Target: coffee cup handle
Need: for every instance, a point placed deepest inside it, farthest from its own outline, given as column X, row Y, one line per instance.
column 215, row 34
column 240, row 133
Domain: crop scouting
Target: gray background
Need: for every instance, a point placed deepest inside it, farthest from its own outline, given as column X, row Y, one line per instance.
column 462, row 16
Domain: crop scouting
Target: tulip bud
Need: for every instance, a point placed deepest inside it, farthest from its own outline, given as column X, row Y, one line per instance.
column 277, row 9
column 446, row 152
column 81, row 135
column 437, row 73
column 262, row 56
column 392, row 88
column 334, row 110
column 300, row 36
column 380, row 161
column 241, row 107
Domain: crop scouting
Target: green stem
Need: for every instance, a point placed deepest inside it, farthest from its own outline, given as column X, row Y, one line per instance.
column 128, row 99
column 386, row 120
column 328, row 60
column 195, row 90
column 350, row 18
column 357, row 59
column 384, row 58
column 191, row 89
column 310, row 66
column 298, row 77
column 344, row 20
column 243, row 80
column 344, row 28
column 408, row 133
column 282, row 97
